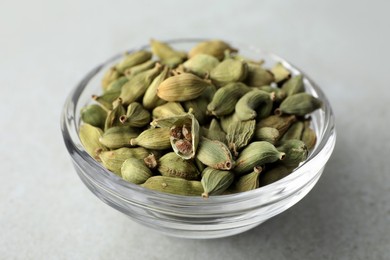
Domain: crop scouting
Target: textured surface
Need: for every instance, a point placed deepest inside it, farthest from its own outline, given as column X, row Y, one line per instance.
column 46, row 47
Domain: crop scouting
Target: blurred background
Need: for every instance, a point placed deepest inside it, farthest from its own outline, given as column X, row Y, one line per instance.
column 46, row 47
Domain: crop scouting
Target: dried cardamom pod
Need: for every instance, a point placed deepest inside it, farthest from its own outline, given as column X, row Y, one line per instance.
column 109, row 76
column 168, row 110
column 171, row 165
column 256, row 99
column 280, row 72
column 225, row 99
column 215, row 132
column 114, row 159
column 295, row 150
column 133, row 59
column 167, row 54
column 269, row 134
column 256, row 154
column 150, row 99
column 279, row 93
column 132, row 71
column 248, row 181
column 294, row 85
column 117, row 84
column 214, row 154
column 136, row 116
column 281, row 123
column 229, row 70
column 309, row 136
column 135, row 171
column 107, row 98
column 215, row 181
column 214, row 48
column 199, row 105
column 258, row 76
column 153, row 138
column 294, row 131
column 136, row 87
column 118, row 136
column 201, row 64
column 299, row 104
column 94, row 115
column 89, row 136
column 274, row 174
column 113, row 116
column 172, row 185
column 239, row 135
column 182, row 87
column 227, row 121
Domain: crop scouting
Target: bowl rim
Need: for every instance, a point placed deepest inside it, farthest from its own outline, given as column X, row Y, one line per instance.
column 124, row 190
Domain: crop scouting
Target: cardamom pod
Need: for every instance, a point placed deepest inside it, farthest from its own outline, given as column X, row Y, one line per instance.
column 215, row 181
column 295, row 150
column 294, row 85
column 136, row 116
column 274, row 174
column 281, row 123
column 118, row 136
column 135, row 171
column 299, row 104
column 89, row 137
column 171, row 165
column 294, row 131
column 227, row 121
column 215, row 132
column 172, row 185
column 256, row 154
column 201, row 64
column 94, row 115
column 133, row 59
column 239, row 135
column 107, row 98
column 258, row 76
column 182, row 87
column 229, row 70
column 114, row 115
column 117, row 84
column 132, row 71
column 279, row 93
column 269, row 134
column 214, row 154
column 309, row 135
column 248, row 181
column 214, row 48
column 109, row 76
column 153, row 138
column 167, row 54
column 280, row 72
column 150, row 99
column 168, row 110
column 256, row 99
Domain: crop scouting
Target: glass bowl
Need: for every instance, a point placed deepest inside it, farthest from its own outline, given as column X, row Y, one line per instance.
column 195, row 217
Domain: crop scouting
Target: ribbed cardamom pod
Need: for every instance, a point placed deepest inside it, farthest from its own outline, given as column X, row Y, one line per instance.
column 295, row 150
column 136, row 116
column 94, row 115
column 133, row 59
column 117, row 84
column 150, row 99
column 89, row 136
column 294, row 85
column 256, row 154
column 199, row 105
column 113, row 116
column 214, row 48
column 294, row 131
column 215, row 181
column 168, row 110
column 225, row 99
column 279, row 93
column 118, row 136
column 109, row 76
column 281, row 123
column 299, row 104
column 269, row 134
column 172, row 185
column 132, row 71
column 113, row 160
column 280, row 72
column 256, row 103
column 135, row 171
column 274, row 174
column 107, row 98
column 227, row 121
column 309, row 136
column 214, row 154
column 201, row 64
column 136, row 87
column 153, row 138
column 258, row 76
column 248, row 181
column 229, row 70
column 214, row 132
column 239, row 135
column 182, row 87
column 171, row 165
column 167, row 54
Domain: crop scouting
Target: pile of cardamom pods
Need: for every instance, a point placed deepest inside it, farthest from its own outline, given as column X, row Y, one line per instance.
column 200, row 123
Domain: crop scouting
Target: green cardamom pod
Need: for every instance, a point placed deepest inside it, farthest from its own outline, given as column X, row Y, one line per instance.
column 279, row 93
column 309, row 136
column 135, row 171
column 299, row 104
column 280, row 72
column 215, row 132
column 214, row 154
column 136, row 87
column 153, row 138
column 201, row 64
column 227, row 121
column 248, row 181
column 294, row 85
column 168, row 110
column 294, row 131
column 89, row 136
column 133, row 59
column 225, row 99
column 172, row 185
column 239, row 135
column 114, row 115
column 199, row 105
column 94, row 115
column 136, row 116
column 281, row 123
column 258, row 76
column 167, row 54
column 113, row 160
column 274, row 174
column 182, row 87
column 266, row 133
column 107, row 98
column 256, row 154
column 171, row 165
column 229, row 70
column 118, row 136
column 109, row 76
column 256, row 99
column 150, row 99
column 214, row 48
column 215, row 181
column 132, row 71
column 295, row 150
column 117, row 84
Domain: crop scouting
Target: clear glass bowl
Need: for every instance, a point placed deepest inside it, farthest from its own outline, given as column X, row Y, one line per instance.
column 195, row 217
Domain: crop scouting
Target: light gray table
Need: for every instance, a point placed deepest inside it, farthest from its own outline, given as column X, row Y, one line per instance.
column 46, row 47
